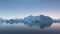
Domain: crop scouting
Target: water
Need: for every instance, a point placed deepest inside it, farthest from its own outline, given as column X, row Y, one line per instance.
column 21, row 28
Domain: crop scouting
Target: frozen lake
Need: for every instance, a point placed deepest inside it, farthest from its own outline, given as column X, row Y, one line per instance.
column 25, row 29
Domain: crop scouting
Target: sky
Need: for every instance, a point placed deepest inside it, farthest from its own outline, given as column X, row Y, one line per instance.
column 23, row 8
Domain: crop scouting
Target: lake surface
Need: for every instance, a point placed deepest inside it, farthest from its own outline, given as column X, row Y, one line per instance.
column 21, row 28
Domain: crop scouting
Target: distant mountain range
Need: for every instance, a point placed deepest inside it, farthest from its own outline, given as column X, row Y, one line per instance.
column 30, row 18
column 56, row 20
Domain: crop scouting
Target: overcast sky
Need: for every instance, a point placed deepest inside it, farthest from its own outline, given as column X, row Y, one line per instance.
column 23, row 8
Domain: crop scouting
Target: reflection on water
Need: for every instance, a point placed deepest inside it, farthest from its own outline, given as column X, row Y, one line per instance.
column 29, row 29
